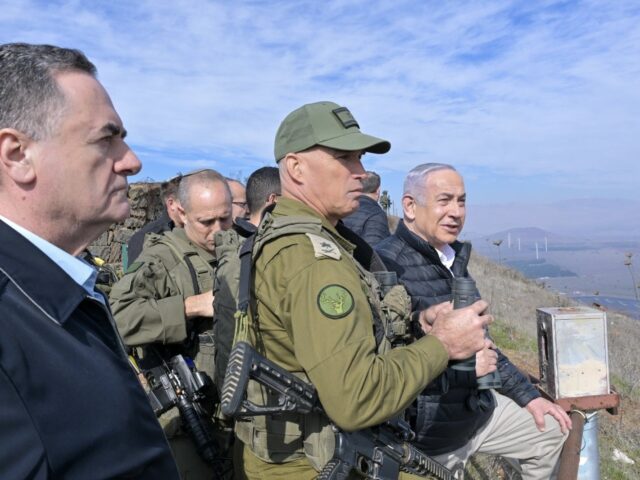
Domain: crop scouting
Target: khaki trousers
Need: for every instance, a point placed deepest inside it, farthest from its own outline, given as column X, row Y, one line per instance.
column 511, row 432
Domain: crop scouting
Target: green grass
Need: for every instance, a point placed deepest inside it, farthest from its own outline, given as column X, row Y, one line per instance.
column 622, row 386
column 612, row 470
column 507, row 337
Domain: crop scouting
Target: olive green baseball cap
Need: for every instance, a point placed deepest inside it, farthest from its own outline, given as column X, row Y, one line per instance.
column 326, row 124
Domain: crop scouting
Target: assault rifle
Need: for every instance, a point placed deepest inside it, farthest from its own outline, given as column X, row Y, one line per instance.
column 377, row 453
column 176, row 383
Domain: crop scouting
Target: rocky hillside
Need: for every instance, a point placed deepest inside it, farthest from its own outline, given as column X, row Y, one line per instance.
column 146, row 206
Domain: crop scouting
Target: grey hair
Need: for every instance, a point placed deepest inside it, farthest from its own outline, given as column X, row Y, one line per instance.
column 370, row 182
column 414, row 182
column 201, row 177
column 30, row 99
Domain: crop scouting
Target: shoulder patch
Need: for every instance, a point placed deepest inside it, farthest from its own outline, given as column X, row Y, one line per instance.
column 335, row 301
column 323, row 247
column 133, row 267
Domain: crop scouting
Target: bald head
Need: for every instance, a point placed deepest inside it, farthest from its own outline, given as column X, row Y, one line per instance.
column 202, row 177
column 205, row 207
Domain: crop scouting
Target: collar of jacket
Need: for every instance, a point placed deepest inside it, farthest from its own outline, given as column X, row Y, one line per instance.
column 37, row 276
column 244, row 227
column 290, row 207
column 422, row 246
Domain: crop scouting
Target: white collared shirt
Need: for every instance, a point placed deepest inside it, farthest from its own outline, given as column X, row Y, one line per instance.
column 447, row 256
column 80, row 271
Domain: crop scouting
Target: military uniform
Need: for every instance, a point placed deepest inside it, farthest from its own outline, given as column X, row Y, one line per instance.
column 313, row 314
column 148, row 302
column 148, row 306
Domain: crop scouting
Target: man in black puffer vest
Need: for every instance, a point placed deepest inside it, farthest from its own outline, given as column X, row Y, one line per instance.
column 453, row 418
column 369, row 221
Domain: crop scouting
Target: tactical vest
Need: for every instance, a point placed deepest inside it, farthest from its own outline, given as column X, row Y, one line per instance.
column 200, row 271
column 192, row 274
column 309, row 435
column 201, row 344
column 225, row 302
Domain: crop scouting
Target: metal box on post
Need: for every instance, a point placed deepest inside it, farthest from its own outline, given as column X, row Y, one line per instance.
column 572, row 349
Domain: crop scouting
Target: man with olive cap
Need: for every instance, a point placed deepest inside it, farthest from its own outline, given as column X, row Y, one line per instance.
column 316, row 308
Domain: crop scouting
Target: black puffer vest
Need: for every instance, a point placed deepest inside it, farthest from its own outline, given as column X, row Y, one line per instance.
column 451, row 409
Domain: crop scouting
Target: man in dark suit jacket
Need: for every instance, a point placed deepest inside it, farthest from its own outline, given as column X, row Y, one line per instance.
column 71, row 405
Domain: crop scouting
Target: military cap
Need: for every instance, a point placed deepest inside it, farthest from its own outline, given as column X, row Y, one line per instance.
column 326, row 124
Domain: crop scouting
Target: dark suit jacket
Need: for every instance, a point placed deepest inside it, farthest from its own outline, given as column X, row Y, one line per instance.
column 71, row 406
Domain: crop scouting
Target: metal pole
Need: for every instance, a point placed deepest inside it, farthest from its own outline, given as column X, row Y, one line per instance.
column 570, row 456
column 589, row 456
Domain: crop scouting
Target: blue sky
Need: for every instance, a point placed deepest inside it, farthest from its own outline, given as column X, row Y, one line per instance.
column 536, row 103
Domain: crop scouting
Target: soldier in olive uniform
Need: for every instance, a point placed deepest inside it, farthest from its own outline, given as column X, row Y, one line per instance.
column 165, row 302
column 315, row 310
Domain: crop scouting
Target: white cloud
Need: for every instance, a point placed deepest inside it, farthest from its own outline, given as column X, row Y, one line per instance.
column 519, row 88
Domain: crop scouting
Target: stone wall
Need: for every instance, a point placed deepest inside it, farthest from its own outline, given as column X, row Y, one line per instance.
column 146, row 205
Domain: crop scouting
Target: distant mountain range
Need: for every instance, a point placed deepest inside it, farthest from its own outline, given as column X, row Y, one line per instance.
column 567, row 263
column 584, row 219
column 528, row 237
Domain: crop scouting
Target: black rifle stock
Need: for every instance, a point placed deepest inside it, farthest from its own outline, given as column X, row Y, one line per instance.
column 176, row 384
column 245, row 363
column 377, row 453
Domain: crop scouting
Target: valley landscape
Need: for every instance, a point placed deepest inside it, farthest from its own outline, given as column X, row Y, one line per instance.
column 587, row 270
